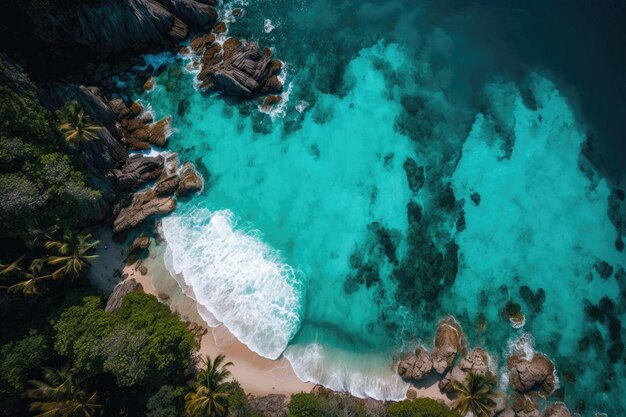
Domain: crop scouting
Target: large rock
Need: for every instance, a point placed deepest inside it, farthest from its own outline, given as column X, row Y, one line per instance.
column 108, row 27
column 524, row 406
column 138, row 170
column 139, row 245
column 273, row 405
column 475, row 362
column 120, row 291
column 142, row 206
column 190, row 180
column 557, row 410
column 531, row 375
column 449, row 340
column 167, row 186
column 415, row 365
column 242, row 70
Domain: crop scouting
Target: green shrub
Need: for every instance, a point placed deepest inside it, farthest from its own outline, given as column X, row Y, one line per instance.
column 167, row 402
column 142, row 343
column 421, row 407
column 308, row 405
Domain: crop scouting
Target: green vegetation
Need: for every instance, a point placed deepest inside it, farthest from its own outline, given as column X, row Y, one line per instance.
column 140, row 344
column 167, row 402
column 477, row 394
column 75, row 125
column 42, row 182
column 209, row 395
column 60, row 394
column 308, row 405
column 421, row 407
column 66, row 258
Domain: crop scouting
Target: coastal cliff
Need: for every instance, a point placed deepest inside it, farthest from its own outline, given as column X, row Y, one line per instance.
column 118, row 26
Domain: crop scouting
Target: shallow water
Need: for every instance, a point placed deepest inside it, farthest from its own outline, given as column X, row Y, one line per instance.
column 340, row 228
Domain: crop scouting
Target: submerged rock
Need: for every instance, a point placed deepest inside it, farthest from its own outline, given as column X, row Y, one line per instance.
column 449, row 340
column 414, row 174
column 415, row 365
column 120, row 291
column 603, row 269
column 531, row 375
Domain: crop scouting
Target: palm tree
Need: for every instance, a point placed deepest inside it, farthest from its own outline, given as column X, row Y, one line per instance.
column 30, row 278
column 75, row 125
column 72, row 254
column 60, row 395
column 210, row 390
column 477, row 395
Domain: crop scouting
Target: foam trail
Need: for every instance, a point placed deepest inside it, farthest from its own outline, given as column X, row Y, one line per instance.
column 238, row 278
column 362, row 375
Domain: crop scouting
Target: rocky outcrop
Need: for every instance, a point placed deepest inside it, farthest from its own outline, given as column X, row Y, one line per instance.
column 531, row 375
column 475, row 362
column 190, row 181
column 120, row 291
column 449, row 340
column 238, row 68
column 415, row 365
column 273, row 405
column 108, row 27
column 142, row 206
column 139, row 245
column 524, row 406
column 557, row 410
column 137, row 171
column 167, row 185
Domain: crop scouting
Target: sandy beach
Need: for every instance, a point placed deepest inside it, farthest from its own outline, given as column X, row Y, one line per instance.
column 256, row 374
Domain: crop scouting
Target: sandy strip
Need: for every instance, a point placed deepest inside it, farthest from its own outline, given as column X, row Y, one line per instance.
column 256, row 374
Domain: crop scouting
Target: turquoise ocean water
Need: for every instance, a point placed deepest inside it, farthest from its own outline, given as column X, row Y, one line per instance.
column 414, row 169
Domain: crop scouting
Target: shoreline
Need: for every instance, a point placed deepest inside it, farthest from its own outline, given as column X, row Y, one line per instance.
column 257, row 375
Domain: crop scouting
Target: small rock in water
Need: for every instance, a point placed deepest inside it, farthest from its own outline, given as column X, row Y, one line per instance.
column 149, row 84
column 220, row 27
column 236, row 12
column 270, row 101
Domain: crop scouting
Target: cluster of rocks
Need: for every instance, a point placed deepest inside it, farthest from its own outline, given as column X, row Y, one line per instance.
column 137, row 126
column 158, row 200
column 528, row 377
column 237, row 67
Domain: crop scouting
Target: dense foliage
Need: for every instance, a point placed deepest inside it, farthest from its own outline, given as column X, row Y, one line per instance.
column 421, row 407
column 141, row 344
column 41, row 181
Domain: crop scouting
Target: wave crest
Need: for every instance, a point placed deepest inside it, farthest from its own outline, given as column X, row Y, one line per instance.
column 238, row 278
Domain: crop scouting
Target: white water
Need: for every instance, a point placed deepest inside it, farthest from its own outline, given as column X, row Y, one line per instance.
column 240, row 280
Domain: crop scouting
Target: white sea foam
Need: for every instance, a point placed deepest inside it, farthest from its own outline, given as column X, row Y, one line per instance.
column 238, row 278
column 268, row 26
column 301, row 106
column 362, row 375
column 523, row 346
